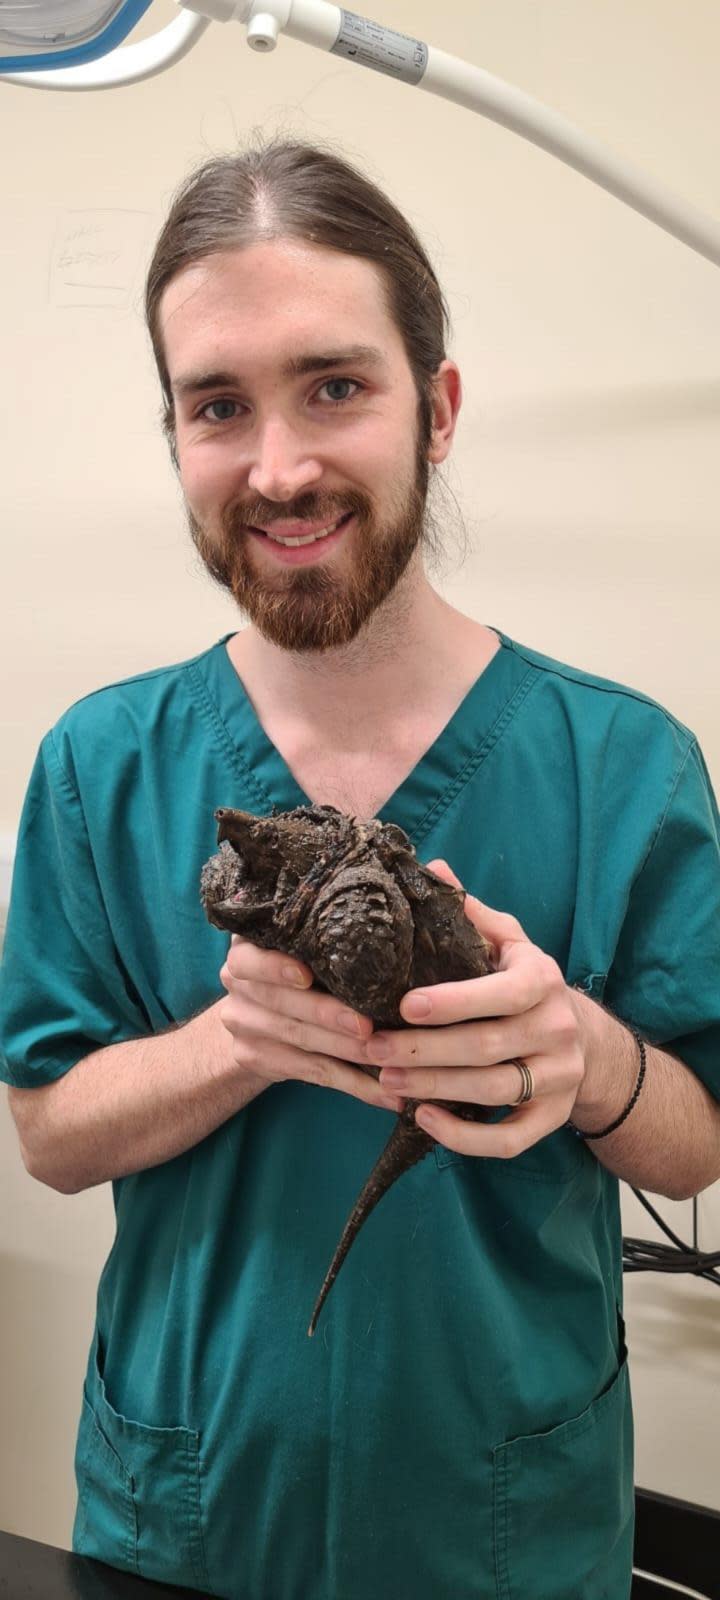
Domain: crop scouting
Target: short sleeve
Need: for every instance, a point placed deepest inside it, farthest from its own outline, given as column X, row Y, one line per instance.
column 665, row 977
column 63, row 989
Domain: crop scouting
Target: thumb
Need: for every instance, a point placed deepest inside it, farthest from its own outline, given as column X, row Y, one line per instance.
column 442, row 870
column 499, row 927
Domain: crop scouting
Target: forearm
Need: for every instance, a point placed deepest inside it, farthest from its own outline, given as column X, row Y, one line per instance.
column 670, row 1142
column 133, row 1105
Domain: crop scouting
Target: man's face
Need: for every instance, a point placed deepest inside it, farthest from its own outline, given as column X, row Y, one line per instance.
column 268, row 453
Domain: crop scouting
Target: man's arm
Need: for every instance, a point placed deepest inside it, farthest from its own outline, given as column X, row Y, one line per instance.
column 584, row 1065
column 670, row 1142
column 134, row 1105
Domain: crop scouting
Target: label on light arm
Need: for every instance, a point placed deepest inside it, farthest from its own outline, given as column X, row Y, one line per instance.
column 371, row 44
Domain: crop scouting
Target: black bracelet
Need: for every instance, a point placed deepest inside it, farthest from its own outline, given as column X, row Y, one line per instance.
column 623, row 1114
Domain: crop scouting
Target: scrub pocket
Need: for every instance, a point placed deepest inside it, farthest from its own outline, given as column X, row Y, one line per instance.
column 138, row 1494
column 564, row 1506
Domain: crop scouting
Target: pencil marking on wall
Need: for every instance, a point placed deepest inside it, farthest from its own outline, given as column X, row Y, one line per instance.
column 95, row 257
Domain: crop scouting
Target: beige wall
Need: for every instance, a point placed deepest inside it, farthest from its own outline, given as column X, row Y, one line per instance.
column 585, row 465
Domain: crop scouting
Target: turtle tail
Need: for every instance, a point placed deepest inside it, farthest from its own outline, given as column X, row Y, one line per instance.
column 407, row 1144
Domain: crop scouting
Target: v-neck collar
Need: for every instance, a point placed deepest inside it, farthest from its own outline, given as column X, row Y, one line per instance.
column 441, row 772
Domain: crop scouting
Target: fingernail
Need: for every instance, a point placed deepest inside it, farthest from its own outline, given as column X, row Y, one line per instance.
column 294, row 975
column 349, row 1023
column 417, row 1005
column 425, row 1119
column 379, row 1048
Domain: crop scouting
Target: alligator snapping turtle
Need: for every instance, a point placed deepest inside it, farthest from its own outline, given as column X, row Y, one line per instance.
column 351, row 900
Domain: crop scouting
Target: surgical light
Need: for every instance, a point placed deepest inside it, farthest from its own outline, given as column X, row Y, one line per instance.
column 37, row 34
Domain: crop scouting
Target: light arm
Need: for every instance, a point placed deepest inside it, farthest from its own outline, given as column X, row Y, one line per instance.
column 383, row 49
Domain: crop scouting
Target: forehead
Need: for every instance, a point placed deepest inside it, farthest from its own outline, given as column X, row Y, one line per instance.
column 254, row 305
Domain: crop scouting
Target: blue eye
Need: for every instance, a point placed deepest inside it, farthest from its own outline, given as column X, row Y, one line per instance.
column 210, row 404
column 329, row 381
column 230, row 415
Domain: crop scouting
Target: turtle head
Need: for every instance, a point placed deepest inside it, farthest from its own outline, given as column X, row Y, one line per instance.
column 260, row 863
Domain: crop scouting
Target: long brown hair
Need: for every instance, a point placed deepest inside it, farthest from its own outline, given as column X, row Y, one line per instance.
column 282, row 187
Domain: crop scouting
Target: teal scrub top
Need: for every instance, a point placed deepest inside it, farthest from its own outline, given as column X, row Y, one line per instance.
column 460, row 1426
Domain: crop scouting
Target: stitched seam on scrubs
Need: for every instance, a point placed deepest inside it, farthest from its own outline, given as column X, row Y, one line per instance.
column 222, row 736
column 135, row 1004
column 663, row 818
column 500, row 1511
column 192, row 1489
column 488, row 744
column 586, row 680
column 140, row 677
column 537, row 1443
column 98, row 1444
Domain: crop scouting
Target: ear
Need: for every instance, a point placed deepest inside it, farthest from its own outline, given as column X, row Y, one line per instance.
column 447, row 400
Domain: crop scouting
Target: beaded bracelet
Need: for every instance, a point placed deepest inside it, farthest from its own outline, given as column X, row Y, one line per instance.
column 623, row 1114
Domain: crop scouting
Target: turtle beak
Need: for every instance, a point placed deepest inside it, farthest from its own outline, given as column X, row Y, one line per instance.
column 236, row 826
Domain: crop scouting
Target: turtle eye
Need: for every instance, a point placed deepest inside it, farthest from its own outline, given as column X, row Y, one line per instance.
column 392, row 834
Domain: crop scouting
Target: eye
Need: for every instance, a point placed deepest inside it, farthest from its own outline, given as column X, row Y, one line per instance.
column 207, row 408
column 330, row 382
column 226, row 410
column 394, row 835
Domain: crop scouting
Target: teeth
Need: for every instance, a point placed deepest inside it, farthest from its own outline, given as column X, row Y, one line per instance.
column 308, row 538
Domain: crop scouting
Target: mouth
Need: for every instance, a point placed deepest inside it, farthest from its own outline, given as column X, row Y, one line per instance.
column 296, row 550
column 230, row 901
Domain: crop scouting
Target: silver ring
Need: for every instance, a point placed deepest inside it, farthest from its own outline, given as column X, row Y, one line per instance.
column 528, row 1082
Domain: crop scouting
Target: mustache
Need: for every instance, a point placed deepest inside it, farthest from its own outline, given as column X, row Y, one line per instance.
column 237, row 517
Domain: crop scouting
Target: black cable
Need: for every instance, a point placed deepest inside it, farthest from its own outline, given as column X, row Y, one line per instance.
column 646, row 1255
column 659, row 1220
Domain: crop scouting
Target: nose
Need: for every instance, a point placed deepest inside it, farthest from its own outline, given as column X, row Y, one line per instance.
column 282, row 465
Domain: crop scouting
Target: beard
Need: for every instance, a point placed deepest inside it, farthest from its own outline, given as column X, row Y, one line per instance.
column 316, row 608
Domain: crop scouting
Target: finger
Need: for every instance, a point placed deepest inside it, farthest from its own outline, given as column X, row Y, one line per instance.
column 241, row 1016
column 483, row 1086
column 307, row 1005
column 329, row 1072
column 349, row 1080
column 498, row 927
column 469, row 1043
column 248, row 961
column 442, row 870
column 478, row 1086
column 502, row 1140
column 517, row 988
column 281, row 1062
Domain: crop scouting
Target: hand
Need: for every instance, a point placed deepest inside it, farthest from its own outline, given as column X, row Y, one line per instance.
column 285, row 1029
column 524, row 1009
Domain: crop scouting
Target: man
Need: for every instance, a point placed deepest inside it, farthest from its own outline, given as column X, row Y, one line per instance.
column 460, row 1426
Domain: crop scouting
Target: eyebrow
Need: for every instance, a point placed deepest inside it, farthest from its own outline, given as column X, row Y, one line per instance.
column 298, row 366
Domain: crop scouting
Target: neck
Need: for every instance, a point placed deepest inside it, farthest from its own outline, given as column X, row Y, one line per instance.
column 403, row 657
